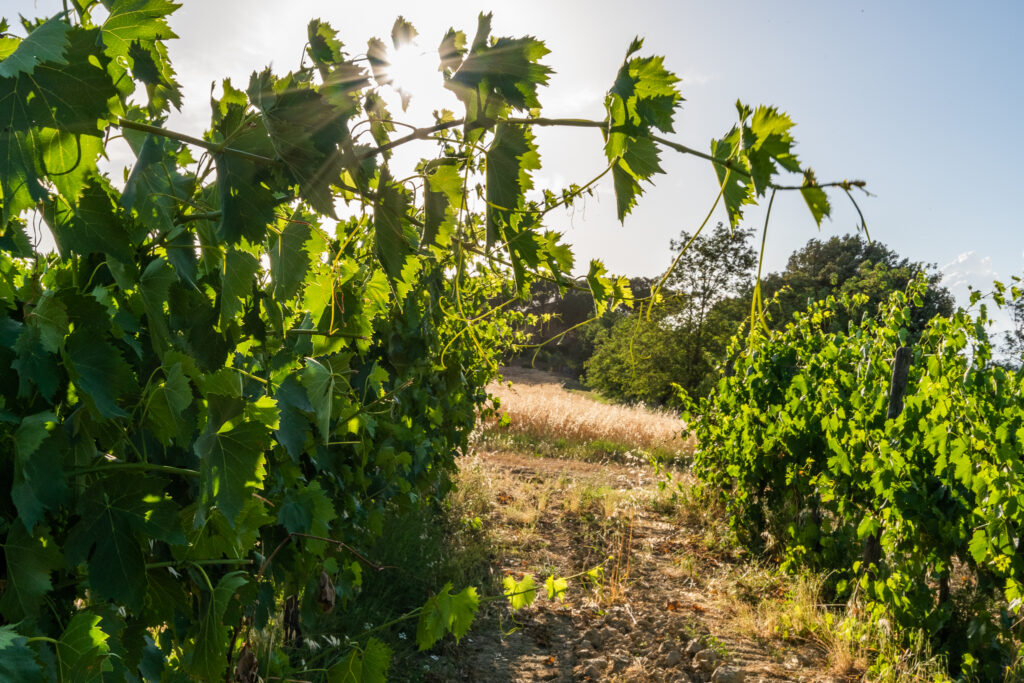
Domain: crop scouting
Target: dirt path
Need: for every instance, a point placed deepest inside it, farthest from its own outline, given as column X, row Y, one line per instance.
column 672, row 603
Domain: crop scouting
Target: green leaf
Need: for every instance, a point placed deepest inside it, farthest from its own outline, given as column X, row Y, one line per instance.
column 289, row 259
column 82, row 649
column 209, row 658
column 293, row 426
column 135, row 20
column 39, row 484
column 17, row 660
column 30, row 561
column 324, row 48
column 231, row 465
column 736, row 188
column 167, row 403
column 307, row 510
column 34, row 364
column 522, row 593
column 92, row 226
column 447, row 613
column 246, row 200
column 30, row 103
column 771, row 144
column 155, row 189
column 100, row 372
column 556, row 588
column 113, row 510
column 443, row 191
column 305, row 130
column 46, row 43
column 394, row 236
column 240, row 267
column 510, row 158
column 817, row 200
column 367, row 666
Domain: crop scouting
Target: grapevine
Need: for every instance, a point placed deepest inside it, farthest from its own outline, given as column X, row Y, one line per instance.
column 215, row 388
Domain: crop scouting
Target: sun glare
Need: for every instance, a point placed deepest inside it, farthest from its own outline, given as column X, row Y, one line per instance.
column 413, row 71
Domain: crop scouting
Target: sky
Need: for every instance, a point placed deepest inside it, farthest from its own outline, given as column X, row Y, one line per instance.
column 919, row 99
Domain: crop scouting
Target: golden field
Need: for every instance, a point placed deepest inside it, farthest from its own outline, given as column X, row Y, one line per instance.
column 539, row 407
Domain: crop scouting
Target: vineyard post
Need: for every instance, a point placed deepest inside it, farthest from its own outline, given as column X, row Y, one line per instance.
column 897, row 389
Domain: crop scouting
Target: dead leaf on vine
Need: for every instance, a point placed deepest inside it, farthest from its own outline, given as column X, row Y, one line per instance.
column 247, row 668
column 325, row 593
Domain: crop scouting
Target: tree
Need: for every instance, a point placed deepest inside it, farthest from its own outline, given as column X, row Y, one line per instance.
column 850, row 264
column 681, row 339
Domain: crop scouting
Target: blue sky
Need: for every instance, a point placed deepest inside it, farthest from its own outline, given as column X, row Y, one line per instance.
column 920, row 99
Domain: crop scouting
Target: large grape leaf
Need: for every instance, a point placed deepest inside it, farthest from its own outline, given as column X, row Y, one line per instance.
column 394, row 238
column 113, row 510
column 33, row 102
column 305, row 130
column 34, row 364
column 446, row 613
column 498, row 74
column 135, row 20
column 737, row 189
column 246, row 201
column 293, row 426
column 82, row 649
column 155, row 189
column 642, row 98
column 46, row 43
column 370, row 665
column 510, row 158
column 231, row 465
column 39, row 481
column 100, row 372
column 236, row 283
column 91, row 226
column 209, row 658
column 167, row 406
column 30, row 560
column 17, row 660
column 289, row 259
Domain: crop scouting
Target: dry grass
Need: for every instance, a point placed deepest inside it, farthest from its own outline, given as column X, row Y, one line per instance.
column 539, row 407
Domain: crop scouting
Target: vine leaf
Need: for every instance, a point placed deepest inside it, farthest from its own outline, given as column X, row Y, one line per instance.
column 510, row 158
column 46, row 43
column 643, row 97
column 82, row 649
column 92, row 226
column 240, row 267
column 246, row 200
column 394, row 236
column 556, row 588
column 608, row 294
column 520, row 593
column 209, row 658
column 367, row 666
column 289, row 259
column 495, row 74
column 31, row 559
column 17, row 660
column 113, row 510
column 100, row 372
column 167, row 407
column 307, row 510
column 293, row 426
column 305, row 130
column 39, row 483
column 232, row 465
column 446, row 613
column 155, row 189
column 131, row 35
column 32, row 103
